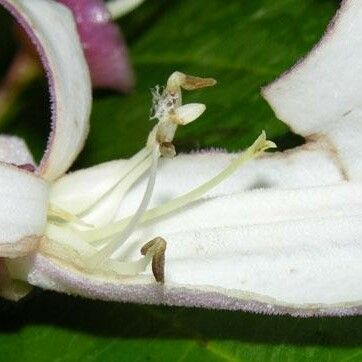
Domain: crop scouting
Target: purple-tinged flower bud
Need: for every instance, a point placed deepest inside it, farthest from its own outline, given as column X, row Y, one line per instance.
column 103, row 44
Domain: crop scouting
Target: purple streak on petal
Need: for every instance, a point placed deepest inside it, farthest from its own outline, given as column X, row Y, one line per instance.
column 103, row 44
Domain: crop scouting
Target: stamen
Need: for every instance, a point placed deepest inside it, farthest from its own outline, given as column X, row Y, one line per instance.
column 131, row 164
column 64, row 244
column 254, row 151
column 190, row 82
column 157, row 247
column 153, row 250
column 101, row 210
column 167, row 108
column 105, row 209
column 187, row 82
column 167, row 149
column 186, row 114
column 57, row 215
column 107, row 241
column 112, row 249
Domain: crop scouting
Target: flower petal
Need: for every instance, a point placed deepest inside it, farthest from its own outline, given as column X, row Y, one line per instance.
column 24, row 203
column 272, row 251
column 305, row 166
column 76, row 191
column 52, row 29
column 302, row 167
column 217, row 261
column 293, row 246
column 103, row 44
column 14, row 150
column 320, row 97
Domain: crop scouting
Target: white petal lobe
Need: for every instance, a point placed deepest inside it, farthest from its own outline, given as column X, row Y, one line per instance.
column 14, row 150
column 24, row 202
column 294, row 169
column 52, row 29
column 251, row 253
column 320, row 97
column 282, row 235
column 289, row 250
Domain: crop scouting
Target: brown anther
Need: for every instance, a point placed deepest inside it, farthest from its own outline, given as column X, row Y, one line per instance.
column 190, row 82
column 157, row 248
column 167, row 149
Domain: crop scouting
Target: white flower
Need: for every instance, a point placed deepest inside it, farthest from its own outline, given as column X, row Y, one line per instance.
column 281, row 235
column 72, row 219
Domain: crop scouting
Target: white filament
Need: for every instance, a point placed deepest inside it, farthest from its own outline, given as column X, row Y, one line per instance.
column 112, row 248
column 111, row 230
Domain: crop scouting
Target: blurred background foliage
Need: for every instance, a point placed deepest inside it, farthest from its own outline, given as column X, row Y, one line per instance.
column 244, row 45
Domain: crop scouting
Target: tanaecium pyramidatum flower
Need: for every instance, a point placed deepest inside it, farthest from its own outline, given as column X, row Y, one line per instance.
column 283, row 234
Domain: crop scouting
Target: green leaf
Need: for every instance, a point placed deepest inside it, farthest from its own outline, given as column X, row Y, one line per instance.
column 244, row 45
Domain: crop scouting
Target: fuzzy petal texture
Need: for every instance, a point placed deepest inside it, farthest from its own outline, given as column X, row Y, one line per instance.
column 49, row 25
column 103, row 44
